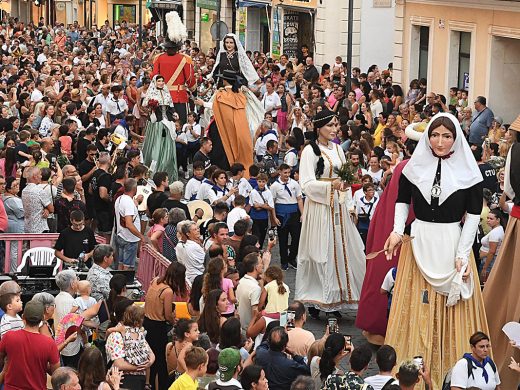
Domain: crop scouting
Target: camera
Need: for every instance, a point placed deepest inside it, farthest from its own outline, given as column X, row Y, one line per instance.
column 333, row 325
column 291, row 315
column 271, row 234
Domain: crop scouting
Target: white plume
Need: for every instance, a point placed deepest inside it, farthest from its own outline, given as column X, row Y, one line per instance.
column 176, row 29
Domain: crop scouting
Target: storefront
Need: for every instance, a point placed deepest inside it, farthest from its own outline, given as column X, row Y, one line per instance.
column 254, row 25
column 293, row 26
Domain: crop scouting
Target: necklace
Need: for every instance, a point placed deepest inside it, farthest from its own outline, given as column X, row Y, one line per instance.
column 436, row 188
column 230, row 55
column 324, row 144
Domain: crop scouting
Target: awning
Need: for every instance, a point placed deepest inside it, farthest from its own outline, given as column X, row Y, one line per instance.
column 254, row 4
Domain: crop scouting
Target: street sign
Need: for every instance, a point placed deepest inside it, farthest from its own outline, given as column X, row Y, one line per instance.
column 208, row 4
column 218, row 30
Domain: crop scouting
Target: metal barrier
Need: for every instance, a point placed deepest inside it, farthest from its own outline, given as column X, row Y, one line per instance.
column 33, row 240
column 151, row 264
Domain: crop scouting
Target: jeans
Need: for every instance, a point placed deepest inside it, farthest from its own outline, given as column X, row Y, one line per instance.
column 126, row 252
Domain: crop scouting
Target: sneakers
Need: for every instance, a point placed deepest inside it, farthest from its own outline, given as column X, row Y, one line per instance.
column 293, row 264
column 285, row 267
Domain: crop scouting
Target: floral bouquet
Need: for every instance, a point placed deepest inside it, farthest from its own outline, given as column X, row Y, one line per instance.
column 153, row 104
column 348, row 175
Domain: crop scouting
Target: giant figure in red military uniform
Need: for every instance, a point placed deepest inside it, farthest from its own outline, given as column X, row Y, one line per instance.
column 177, row 70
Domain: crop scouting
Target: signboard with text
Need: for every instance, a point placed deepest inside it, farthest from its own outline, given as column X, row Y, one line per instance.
column 290, row 33
column 208, row 4
column 297, row 3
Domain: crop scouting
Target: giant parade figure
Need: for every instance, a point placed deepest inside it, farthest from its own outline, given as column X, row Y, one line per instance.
column 172, row 72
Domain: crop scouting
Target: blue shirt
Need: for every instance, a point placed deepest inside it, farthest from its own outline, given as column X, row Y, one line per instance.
column 480, row 124
column 280, row 371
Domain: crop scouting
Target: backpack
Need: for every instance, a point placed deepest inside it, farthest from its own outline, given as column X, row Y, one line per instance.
column 446, row 385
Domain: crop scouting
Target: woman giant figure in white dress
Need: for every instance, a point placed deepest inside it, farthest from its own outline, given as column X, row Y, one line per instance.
column 331, row 262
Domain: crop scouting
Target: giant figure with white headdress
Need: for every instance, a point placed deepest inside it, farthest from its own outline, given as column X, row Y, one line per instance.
column 437, row 304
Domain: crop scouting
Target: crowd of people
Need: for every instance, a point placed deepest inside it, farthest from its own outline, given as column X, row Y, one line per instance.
column 101, row 136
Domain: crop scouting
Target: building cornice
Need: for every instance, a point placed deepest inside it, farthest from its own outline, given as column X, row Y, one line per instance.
column 495, row 5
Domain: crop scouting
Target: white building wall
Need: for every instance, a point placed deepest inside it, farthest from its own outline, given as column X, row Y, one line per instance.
column 377, row 35
column 331, row 31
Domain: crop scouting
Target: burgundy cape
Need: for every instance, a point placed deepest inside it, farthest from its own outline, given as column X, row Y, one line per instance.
column 372, row 311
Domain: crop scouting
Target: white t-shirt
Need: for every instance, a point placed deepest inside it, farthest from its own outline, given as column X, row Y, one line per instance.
column 64, row 302
column 192, row 189
column 261, row 143
column 364, row 206
column 389, row 281
column 271, row 101
column 125, row 206
column 36, row 96
column 291, row 158
column 196, row 129
column 191, row 255
column 376, row 176
column 248, row 295
column 495, row 235
column 115, row 107
column 181, row 138
column 8, row 323
column 378, row 381
column 459, row 376
column 234, row 215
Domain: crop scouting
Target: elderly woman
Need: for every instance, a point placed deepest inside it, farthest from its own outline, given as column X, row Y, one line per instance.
column 99, row 275
column 49, row 304
column 67, row 282
column 171, row 240
column 190, row 252
column 15, row 215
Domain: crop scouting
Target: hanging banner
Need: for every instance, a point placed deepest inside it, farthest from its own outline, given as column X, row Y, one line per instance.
column 290, row 33
column 275, row 51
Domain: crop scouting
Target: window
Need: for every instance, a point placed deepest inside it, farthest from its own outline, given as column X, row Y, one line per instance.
column 464, row 58
column 424, row 45
column 125, row 12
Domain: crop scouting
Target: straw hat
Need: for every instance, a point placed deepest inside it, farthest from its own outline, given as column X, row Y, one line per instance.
column 206, row 208
column 515, row 125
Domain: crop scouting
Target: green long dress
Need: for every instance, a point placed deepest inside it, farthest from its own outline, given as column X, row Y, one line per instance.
column 159, row 146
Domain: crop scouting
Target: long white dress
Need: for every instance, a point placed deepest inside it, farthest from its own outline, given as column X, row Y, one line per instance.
column 331, row 261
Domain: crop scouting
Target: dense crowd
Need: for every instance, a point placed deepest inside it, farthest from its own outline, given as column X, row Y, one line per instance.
column 72, row 126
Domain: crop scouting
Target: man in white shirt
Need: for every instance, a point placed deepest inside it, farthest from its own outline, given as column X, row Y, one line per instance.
column 128, row 229
column 193, row 185
column 386, row 359
column 288, row 205
column 116, row 106
column 249, row 290
column 102, row 98
column 190, row 252
column 67, row 282
column 37, row 94
column 266, row 134
column 237, row 213
column 375, row 170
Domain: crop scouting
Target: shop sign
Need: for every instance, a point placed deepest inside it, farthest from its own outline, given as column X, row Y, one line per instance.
column 382, row 3
column 297, row 3
column 204, row 17
column 208, row 4
column 290, row 33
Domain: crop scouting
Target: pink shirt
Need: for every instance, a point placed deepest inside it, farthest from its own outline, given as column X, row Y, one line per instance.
column 157, row 227
column 227, row 285
column 66, row 144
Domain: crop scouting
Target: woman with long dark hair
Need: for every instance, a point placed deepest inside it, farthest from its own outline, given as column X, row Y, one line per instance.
column 92, row 371
column 327, row 364
column 333, row 258
column 211, row 318
column 160, row 315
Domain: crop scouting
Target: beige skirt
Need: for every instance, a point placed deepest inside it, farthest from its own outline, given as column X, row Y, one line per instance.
column 421, row 324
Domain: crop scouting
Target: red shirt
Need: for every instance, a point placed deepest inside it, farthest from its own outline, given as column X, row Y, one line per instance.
column 28, row 356
column 166, row 65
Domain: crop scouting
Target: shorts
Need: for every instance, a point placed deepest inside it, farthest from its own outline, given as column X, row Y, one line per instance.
column 105, row 221
column 126, row 252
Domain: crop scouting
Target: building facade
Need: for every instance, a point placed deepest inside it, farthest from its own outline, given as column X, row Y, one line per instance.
column 470, row 44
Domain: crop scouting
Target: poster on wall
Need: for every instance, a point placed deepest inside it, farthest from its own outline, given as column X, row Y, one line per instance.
column 242, row 24
column 276, row 34
column 466, row 81
column 290, row 33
